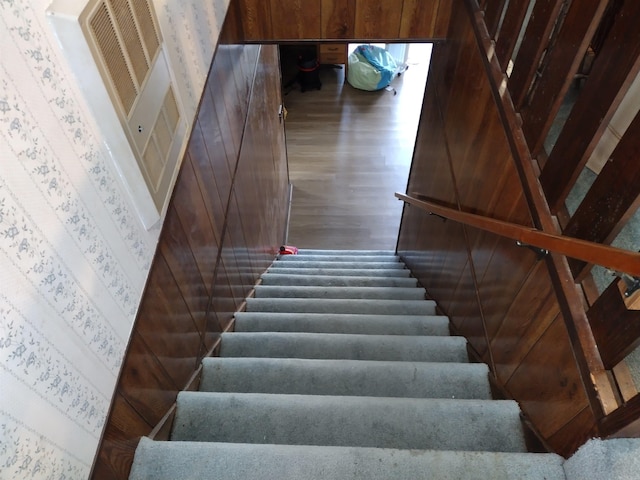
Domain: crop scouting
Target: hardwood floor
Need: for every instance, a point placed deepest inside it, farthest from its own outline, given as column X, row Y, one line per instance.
column 349, row 151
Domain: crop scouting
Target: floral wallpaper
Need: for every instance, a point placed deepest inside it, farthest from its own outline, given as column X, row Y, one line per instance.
column 73, row 254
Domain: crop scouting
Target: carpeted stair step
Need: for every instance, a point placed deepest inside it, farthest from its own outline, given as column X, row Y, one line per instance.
column 338, row 258
column 353, row 253
column 346, row 377
column 328, row 264
column 233, row 461
column 340, row 369
column 431, row 423
column 311, row 305
column 336, row 281
column 373, row 293
column 341, row 323
column 349, row 347
column 351, row 272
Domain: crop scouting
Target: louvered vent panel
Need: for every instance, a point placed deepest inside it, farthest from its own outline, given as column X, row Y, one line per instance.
column 114, row 60
column 154, row 163
column 129, row 90
column 163, row 133
column 171, row 108
column 148, row 31
column 133, row 44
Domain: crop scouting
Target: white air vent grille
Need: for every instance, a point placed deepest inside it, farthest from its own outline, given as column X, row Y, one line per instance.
column 147, row 28
column 123, row 17
column 113, row 57
column 124, row 42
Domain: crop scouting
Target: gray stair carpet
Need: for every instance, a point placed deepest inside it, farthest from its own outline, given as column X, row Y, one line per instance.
column 341, row 369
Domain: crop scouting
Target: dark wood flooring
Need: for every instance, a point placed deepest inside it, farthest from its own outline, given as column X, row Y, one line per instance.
column 349, row 151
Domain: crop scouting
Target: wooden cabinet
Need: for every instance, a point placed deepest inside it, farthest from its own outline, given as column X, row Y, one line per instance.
column 329, row 53
column 363, row 20
column 419, row 18
column 378, row 19
column 255, row 16
column 338, row 18
column 295, row 19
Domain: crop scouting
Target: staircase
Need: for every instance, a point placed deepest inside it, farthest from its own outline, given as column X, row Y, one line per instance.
column 340, row 369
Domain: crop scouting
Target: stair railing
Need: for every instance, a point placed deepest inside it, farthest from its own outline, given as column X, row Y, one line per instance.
column 613, row 320
column 610, row 257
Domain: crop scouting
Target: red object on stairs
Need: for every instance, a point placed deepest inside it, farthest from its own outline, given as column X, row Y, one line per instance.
column 288, row 250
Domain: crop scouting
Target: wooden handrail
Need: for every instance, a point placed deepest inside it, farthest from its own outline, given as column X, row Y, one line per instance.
column 609, row 257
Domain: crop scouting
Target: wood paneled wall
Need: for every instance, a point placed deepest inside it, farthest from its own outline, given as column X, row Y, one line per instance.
column 497, row 294
column 262, row 20
column 223, row 228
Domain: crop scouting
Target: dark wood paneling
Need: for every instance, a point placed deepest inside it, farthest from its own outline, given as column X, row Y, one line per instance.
column 569, row 438
column 295, row 19
column 624, row 422
column 613, row 197
column 142, row 372
column 492, row 14
column 564, row 58
column 467, row 315
column 613, row 71
column 503, row 279
column 166, row 325
column 503, row 299
column 442, row 21
column 547, row 383
column 510, row 31
column 338, row 18
column 288, row 20
column 256, row 19
column 223, row 301
column 119, row 440
column 534, row 43
column 203, row 267
column 378, row 19
column 197, row 216
column 419, row 18
column 616, row 329
column 532, row 311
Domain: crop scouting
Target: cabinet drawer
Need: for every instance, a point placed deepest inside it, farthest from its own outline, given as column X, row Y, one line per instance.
column 333, row 58
column 332, row 48
column 333, row 53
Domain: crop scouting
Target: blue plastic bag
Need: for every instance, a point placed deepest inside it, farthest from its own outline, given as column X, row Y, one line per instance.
column 382, row 62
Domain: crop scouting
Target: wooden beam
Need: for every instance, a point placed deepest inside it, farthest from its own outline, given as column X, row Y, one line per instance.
column 624, row 422
column 534, row 43
column 616, row 329
column 509, row 31
column 492, row 14
column 613, row 71
column 613, row 197
column 591, row 368
column 564, row 59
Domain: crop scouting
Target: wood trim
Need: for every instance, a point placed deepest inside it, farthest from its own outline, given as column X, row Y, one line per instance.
column 623, row 422
column 564, row 59
column 509, row 32
column 618, row 188
column 613, row 71
column 207, row 260
column 616, row 329
column 610, row 257
column 543, row 19
column 625, row 382
column 492, row 15
column 585, row 349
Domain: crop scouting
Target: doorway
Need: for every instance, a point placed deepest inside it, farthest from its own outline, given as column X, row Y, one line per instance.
column 349, row 150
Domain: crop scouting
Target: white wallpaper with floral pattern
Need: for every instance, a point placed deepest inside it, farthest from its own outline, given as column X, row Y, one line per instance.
column 73, row 254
